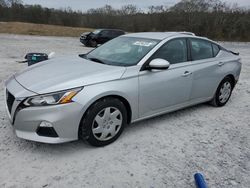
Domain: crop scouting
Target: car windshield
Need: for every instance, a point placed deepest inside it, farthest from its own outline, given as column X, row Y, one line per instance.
column 122, row 51
column 96, row 31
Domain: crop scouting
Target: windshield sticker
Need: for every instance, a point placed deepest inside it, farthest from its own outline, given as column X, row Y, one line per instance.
column 143, row 43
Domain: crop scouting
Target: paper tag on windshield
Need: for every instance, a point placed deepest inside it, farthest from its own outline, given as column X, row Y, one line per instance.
column 143, row 43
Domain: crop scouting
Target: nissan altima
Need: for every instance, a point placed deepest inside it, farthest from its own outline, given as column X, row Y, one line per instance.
column 136, row 76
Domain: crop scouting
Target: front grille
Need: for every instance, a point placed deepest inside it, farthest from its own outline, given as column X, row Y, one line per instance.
column 9, row 100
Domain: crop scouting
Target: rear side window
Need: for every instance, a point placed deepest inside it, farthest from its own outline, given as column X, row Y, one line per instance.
column 115, row 33
column 216, row 49
column 174, row 51
column 201, row 49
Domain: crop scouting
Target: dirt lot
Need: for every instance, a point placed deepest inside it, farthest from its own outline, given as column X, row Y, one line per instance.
column 41, row 29
column 162, row 152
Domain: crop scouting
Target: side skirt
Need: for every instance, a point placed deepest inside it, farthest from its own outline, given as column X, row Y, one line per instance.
column 173, row 108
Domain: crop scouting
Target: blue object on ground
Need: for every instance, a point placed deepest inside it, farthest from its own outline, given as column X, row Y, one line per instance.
column 200, row 181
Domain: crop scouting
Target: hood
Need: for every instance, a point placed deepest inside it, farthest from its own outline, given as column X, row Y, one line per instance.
column 86, row 33
column 66, row 73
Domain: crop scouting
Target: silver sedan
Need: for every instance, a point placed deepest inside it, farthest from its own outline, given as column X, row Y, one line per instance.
column 133, row 77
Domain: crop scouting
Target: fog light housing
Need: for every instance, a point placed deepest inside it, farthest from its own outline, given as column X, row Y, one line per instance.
column 45, row 124
column 46, row 129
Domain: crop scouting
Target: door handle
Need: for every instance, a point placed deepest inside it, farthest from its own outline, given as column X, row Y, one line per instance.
column 221, row 63
column 186, row 73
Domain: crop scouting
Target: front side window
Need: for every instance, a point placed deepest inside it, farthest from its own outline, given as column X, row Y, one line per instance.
column 201, row 49
column 122, row 51
column 174, row 51
column 105, row 33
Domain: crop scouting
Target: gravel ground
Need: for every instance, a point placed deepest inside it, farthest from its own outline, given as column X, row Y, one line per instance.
column 161, row 152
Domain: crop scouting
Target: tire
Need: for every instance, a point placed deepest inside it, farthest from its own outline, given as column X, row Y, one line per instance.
column 103, row 122
column 220, row 98
column 93, row 43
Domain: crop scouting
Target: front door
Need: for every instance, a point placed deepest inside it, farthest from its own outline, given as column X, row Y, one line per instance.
column 104, row 36
column 160, row 90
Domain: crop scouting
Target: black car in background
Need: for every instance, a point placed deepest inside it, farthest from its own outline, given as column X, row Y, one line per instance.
column 99, row 36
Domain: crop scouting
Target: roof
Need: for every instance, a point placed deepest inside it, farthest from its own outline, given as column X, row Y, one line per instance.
column 158, row 35
column 110, row 29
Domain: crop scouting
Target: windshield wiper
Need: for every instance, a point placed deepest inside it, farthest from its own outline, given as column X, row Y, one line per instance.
column 92, row 58
column 96, row 60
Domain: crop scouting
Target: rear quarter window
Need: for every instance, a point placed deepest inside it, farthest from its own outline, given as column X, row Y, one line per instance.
column 117, row 33
column 121, row 32
column 216, row 49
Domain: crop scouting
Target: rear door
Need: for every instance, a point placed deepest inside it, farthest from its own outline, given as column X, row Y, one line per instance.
column 205, row 68
column 104, row 36
column 160, row 90
column 114, row 34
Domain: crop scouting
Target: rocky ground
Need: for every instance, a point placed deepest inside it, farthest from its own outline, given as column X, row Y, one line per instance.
column 161, row 152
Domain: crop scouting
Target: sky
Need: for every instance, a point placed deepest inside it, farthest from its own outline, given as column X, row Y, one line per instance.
column 84, row 5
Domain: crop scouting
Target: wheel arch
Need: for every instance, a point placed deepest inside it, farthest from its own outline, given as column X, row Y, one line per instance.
column 233, row 81
column 125, row 102
column 119, row 97
column 231, row 76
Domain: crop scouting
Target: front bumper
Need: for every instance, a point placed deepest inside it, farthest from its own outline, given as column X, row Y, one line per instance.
column 64, row 118
column 84, row 41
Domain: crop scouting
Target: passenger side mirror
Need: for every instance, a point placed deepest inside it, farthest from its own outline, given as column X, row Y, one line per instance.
column 159, row 64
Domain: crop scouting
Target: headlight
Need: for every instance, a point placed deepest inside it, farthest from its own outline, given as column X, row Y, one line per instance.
column 61, row 97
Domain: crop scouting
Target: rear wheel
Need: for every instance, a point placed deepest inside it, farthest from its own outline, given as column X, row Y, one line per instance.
column 104, row 122
column 223, row 92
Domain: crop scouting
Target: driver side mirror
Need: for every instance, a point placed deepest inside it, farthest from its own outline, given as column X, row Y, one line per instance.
column 159, row 64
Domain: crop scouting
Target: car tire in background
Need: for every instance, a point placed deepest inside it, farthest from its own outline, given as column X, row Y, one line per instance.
column 103, row 122
column 223, row 92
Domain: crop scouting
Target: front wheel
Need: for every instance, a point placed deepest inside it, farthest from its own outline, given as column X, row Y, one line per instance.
column 93, row 43
column 223, row 92
column 104, row 122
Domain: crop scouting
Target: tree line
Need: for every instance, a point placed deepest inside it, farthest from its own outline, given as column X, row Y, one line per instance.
column 211, row 18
